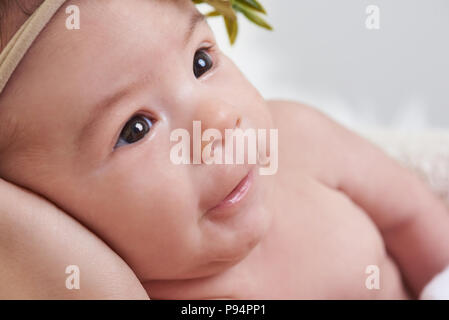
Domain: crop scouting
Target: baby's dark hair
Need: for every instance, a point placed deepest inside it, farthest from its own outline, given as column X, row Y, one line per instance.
column 12, row 14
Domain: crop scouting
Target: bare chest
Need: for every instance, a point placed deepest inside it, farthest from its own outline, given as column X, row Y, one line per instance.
column 321, row 246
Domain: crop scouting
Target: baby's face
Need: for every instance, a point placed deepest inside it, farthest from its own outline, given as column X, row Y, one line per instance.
column 86, row 123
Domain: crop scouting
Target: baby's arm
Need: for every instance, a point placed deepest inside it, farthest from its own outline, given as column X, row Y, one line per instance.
column 414, row 223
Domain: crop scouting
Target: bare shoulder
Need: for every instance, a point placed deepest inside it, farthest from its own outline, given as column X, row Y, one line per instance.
column 320, row 143
column 294, row 112
column 287, row 105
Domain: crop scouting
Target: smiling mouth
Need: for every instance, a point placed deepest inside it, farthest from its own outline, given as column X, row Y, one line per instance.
column 236, row 195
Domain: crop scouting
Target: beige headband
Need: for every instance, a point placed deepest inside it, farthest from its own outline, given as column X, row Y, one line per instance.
column 15, row 50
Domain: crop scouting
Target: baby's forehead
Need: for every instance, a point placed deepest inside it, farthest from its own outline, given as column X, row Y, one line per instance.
column 112, row 36
column 132, row 26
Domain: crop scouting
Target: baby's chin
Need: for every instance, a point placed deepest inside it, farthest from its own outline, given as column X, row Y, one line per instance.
column 225, row 242
column 228, row 250
column 232, row 239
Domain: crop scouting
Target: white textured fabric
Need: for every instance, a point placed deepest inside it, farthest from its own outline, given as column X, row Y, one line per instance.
column 437, row 288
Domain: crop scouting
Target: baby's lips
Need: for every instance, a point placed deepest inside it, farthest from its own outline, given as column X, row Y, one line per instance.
column 225, row 192
column 238, row 193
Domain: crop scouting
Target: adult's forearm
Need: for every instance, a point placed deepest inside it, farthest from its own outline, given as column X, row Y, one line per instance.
column 38, row 241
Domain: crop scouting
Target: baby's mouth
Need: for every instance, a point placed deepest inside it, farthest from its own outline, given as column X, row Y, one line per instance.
column 234, row 197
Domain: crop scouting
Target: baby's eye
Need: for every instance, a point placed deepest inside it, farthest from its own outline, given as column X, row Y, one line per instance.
column 202, row 62
column 134, row 130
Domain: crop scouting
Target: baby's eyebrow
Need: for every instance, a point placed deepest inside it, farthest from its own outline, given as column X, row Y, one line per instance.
column 110, row 102
column 195, row 19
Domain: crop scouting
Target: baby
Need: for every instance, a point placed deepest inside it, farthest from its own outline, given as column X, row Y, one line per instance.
column 86, row 121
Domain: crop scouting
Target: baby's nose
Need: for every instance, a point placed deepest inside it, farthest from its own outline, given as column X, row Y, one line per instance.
column 220, row 117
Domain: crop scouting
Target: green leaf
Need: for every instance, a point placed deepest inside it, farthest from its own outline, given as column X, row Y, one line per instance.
column 213, row 13
column 254, row 4
column 255, row 18
column 229, row 8
column 231, row 28
column 224, row 7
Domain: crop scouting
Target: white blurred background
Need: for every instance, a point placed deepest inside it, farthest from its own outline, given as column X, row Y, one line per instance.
column 322, row 54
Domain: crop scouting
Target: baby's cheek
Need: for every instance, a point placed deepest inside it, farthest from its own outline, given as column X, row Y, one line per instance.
column 163, row 239
column 156, row 201
column 146, row 209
